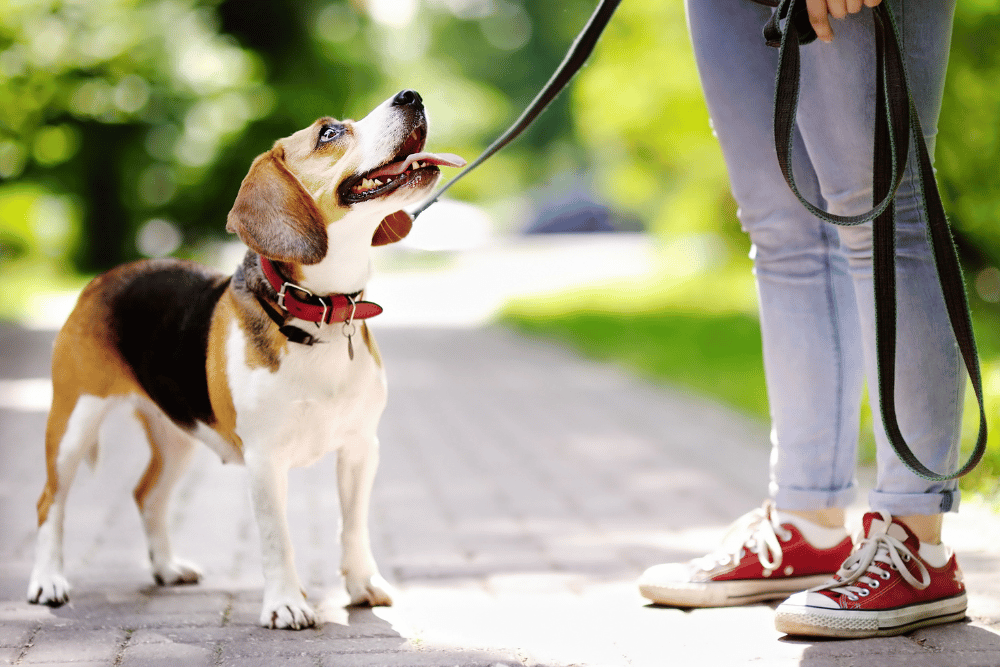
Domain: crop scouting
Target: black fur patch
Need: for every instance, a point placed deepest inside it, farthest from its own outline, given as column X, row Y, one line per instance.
column 162, row 316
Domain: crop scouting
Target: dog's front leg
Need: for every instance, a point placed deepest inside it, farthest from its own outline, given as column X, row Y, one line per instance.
column 356, row 465
column 285, row 605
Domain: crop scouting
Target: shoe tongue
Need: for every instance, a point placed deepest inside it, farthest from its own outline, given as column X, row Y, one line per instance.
column 875, row 524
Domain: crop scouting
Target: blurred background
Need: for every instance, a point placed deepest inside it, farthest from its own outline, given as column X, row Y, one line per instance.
column 126, row 127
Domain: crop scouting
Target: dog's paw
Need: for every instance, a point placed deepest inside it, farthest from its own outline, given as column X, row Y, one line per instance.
column 50, row 589
column 176, row 573
column 373, row 591
column 288, row 614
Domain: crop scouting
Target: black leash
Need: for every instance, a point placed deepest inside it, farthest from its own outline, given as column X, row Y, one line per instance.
column 895, row 123
column 577, row 55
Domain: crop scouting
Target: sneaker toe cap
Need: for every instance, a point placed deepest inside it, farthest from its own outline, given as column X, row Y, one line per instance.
column 809, row 599
column 666, row 574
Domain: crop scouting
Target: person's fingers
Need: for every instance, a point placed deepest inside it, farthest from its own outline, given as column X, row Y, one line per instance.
column 872, row 3
column 854, row 6
column 819, row 18
column 837, row 8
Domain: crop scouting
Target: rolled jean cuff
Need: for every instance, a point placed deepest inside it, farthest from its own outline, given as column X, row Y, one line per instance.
column 805, row 500
column 903, row 504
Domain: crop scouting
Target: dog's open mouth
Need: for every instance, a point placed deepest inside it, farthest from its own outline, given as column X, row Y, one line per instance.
column 409, row 163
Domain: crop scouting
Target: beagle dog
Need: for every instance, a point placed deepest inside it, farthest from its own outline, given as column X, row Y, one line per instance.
column 272, row 367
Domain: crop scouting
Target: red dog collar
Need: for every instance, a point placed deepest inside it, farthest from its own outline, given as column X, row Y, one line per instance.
column 315, row 308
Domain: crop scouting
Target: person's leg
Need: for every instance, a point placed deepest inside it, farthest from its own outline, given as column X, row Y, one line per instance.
column 809, row 326
column 899, row 577
column 836, row 126
column 808, row 315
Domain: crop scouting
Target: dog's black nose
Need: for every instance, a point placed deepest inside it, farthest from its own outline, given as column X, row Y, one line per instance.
column 408, row 98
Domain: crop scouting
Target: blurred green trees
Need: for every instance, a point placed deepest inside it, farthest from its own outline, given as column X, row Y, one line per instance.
column 127, row 125
column 115, row 113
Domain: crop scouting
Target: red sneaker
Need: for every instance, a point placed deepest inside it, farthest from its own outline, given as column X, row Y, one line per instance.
column 883, row 589
column 759, row 559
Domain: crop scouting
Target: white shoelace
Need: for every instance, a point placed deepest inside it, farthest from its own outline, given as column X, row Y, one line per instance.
column 754, row 531
column 867, row 565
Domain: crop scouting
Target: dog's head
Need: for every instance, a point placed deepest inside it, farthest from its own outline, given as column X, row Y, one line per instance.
column 352, row 173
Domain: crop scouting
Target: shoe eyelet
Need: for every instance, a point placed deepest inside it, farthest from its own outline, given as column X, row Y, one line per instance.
column 874, row 584
column 864, row 592
column 885, row 575
column 852, row 597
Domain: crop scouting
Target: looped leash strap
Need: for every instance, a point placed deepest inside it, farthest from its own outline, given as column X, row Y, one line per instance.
column 577, row 55
column 896, row 122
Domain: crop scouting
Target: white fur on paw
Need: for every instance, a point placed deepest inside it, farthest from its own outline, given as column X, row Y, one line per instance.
column 373, row 591
column 50, row 589
column 177, row 572
column 288, row 614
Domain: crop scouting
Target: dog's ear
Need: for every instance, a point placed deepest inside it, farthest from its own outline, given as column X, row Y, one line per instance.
column 275, row 216
column 394, row 227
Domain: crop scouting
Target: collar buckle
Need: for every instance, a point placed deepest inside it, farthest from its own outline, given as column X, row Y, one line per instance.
column 284, row 289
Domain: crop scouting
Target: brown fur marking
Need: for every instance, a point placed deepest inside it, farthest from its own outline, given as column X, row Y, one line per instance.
column 84, row 361
column 369, row 340
column 219, row 392
column 155, row 468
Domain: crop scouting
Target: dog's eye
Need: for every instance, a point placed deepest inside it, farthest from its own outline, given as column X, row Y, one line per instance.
column 330, row 132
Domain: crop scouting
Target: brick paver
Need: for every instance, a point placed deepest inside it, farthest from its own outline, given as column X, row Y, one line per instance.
column 521, row 491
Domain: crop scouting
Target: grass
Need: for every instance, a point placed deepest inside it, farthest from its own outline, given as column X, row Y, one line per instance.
column 701, row 333
column 713, row 354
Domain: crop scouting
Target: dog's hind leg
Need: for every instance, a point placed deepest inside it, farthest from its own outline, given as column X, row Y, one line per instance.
column 170, row 451
column 71, row 432
column 356, row 465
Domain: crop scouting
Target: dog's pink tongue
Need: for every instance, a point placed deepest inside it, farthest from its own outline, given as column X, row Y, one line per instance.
column 441, row 159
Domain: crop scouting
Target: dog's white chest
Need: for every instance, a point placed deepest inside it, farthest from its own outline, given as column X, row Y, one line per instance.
column 318, row 400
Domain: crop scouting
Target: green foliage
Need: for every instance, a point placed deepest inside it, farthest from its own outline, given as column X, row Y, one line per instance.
column 143, row 116
column 119, row 108
column 639, row 107
column 969, row 132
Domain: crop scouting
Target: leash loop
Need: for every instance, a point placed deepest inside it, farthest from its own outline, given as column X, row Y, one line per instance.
column 896, row 122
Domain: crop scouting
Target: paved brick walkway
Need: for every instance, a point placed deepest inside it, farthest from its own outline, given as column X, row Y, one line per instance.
column 521, row 491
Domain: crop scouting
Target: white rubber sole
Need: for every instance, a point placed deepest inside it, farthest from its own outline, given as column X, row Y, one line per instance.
column 728, row 593
column 852, row 623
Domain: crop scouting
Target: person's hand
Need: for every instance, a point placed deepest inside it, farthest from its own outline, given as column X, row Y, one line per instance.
column 820, row 12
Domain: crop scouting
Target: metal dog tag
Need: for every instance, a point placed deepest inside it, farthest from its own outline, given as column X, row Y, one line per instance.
column 348, row 331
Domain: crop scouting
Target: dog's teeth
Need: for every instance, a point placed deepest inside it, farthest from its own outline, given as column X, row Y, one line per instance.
column 377, row 183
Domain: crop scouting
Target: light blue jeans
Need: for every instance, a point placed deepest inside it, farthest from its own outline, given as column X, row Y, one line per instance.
column 814, row 280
